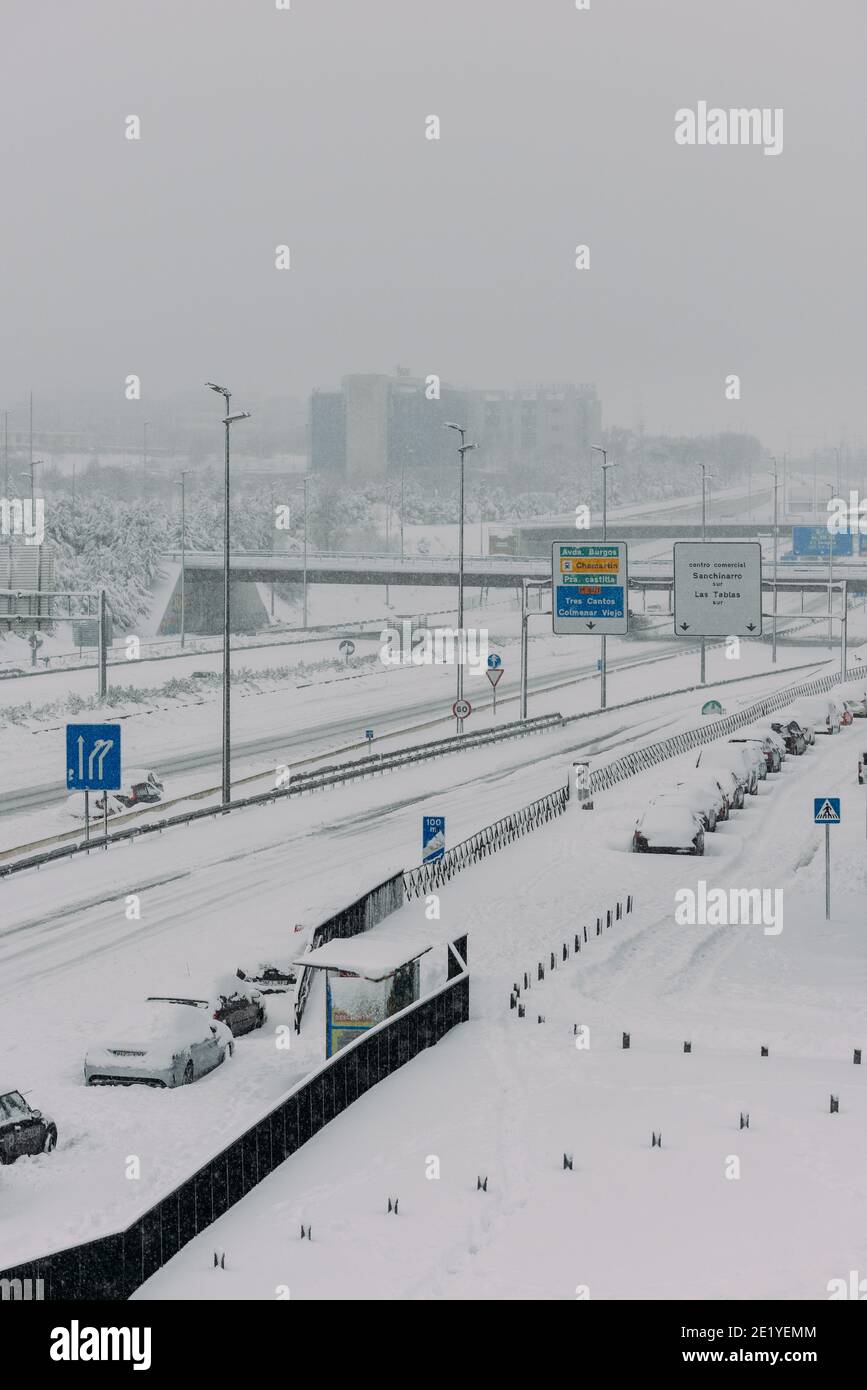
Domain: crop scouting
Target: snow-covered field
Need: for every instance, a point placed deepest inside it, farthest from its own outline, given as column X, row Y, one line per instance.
column 71, row 955
column 773, row 1211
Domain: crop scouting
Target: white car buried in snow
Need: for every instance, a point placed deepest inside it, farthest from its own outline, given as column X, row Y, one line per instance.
column 75, row 805
column 668, row 828
column 160, row 1045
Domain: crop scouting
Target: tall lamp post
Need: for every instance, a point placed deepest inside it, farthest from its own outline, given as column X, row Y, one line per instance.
column 831, row 568
column 463, row 449
column 603, row 667
column 306, row 483
column 704, row 478
column 228, row 421
column 184, row 472
column 776, row 477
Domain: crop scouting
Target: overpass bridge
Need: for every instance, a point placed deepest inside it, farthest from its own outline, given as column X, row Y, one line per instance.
column 490, row 571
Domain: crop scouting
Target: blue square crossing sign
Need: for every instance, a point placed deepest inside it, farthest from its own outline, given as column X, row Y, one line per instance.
column 826, row 810
column 92, row 757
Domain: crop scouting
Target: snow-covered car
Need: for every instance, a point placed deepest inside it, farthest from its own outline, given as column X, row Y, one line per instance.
column 272, row 976
column 238, row 1005
column 668, row 829
column 697, row 800
column 160, row 1045
column 734, row 757
column 23, row 1130
column 854, row 693
column 75, row 805
column 797, row 715
column 711, row 787
column 790, row 732
column 765, row 746
column 823, row 712
column 764, row 729
column 141, row 787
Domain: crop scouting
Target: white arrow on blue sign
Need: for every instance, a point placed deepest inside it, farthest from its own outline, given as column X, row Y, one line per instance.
column 826, row 810
column 93, row 757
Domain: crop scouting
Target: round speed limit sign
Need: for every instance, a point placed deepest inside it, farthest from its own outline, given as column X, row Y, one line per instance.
column 461, row 709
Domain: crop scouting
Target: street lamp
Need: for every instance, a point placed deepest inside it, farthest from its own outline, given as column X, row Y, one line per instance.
column 144, row 444
column 830, row 568
column 603, row 668
column 228, row 421
column 463, row 449
column 704, row 478
column 775, row 475
column 184, row 473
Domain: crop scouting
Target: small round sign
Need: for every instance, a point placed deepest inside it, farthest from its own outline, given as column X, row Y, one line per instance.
column 494, row 660
column 461, row 709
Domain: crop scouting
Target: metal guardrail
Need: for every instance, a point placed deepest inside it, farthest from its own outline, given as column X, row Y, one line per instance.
column 601, row 779
column 296, row 785
column 114, row 1266
column 485, row 842
column 500, row 833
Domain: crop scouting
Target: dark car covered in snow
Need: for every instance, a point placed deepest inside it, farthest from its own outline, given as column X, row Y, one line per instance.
column 23, row 1130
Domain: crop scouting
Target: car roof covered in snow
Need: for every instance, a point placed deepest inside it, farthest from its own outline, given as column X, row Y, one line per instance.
column 197, row 988
column 669, row 815
column 155, row 1023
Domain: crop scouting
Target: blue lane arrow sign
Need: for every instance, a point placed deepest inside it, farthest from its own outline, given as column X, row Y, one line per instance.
column 93, row 757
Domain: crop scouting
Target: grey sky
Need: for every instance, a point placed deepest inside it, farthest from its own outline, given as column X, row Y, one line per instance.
column 457, row 257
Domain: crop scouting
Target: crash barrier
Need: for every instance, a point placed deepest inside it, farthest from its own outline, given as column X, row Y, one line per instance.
column 364, row 913
column 569, row 948
column 427, row 877
column 601, row 779
column 114, row 1266
column 296, row 785
column 484, row 842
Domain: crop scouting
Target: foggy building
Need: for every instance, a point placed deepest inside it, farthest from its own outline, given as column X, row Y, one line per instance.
column 378, row 423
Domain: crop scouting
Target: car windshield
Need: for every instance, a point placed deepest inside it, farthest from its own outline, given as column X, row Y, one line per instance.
column 12, row 1106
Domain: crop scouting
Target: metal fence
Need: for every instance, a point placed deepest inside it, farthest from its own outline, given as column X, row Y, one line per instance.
column 491, row 838
column 643, row 758
column 485, row 842
column 114, row 1266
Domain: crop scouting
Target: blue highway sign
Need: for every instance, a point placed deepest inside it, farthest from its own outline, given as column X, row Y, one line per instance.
column 433, row 838
column 93, row 757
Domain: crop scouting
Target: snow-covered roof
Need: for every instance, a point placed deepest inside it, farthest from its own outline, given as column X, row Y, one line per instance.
column 373, row 955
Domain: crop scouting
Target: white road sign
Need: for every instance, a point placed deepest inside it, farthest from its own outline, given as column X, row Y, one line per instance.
column 717, row 588
column 589, row 588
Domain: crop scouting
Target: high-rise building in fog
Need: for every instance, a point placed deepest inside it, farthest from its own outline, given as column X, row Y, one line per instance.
column 377, row 423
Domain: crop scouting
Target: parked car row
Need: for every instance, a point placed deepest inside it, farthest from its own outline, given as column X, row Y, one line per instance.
column 677, row 819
